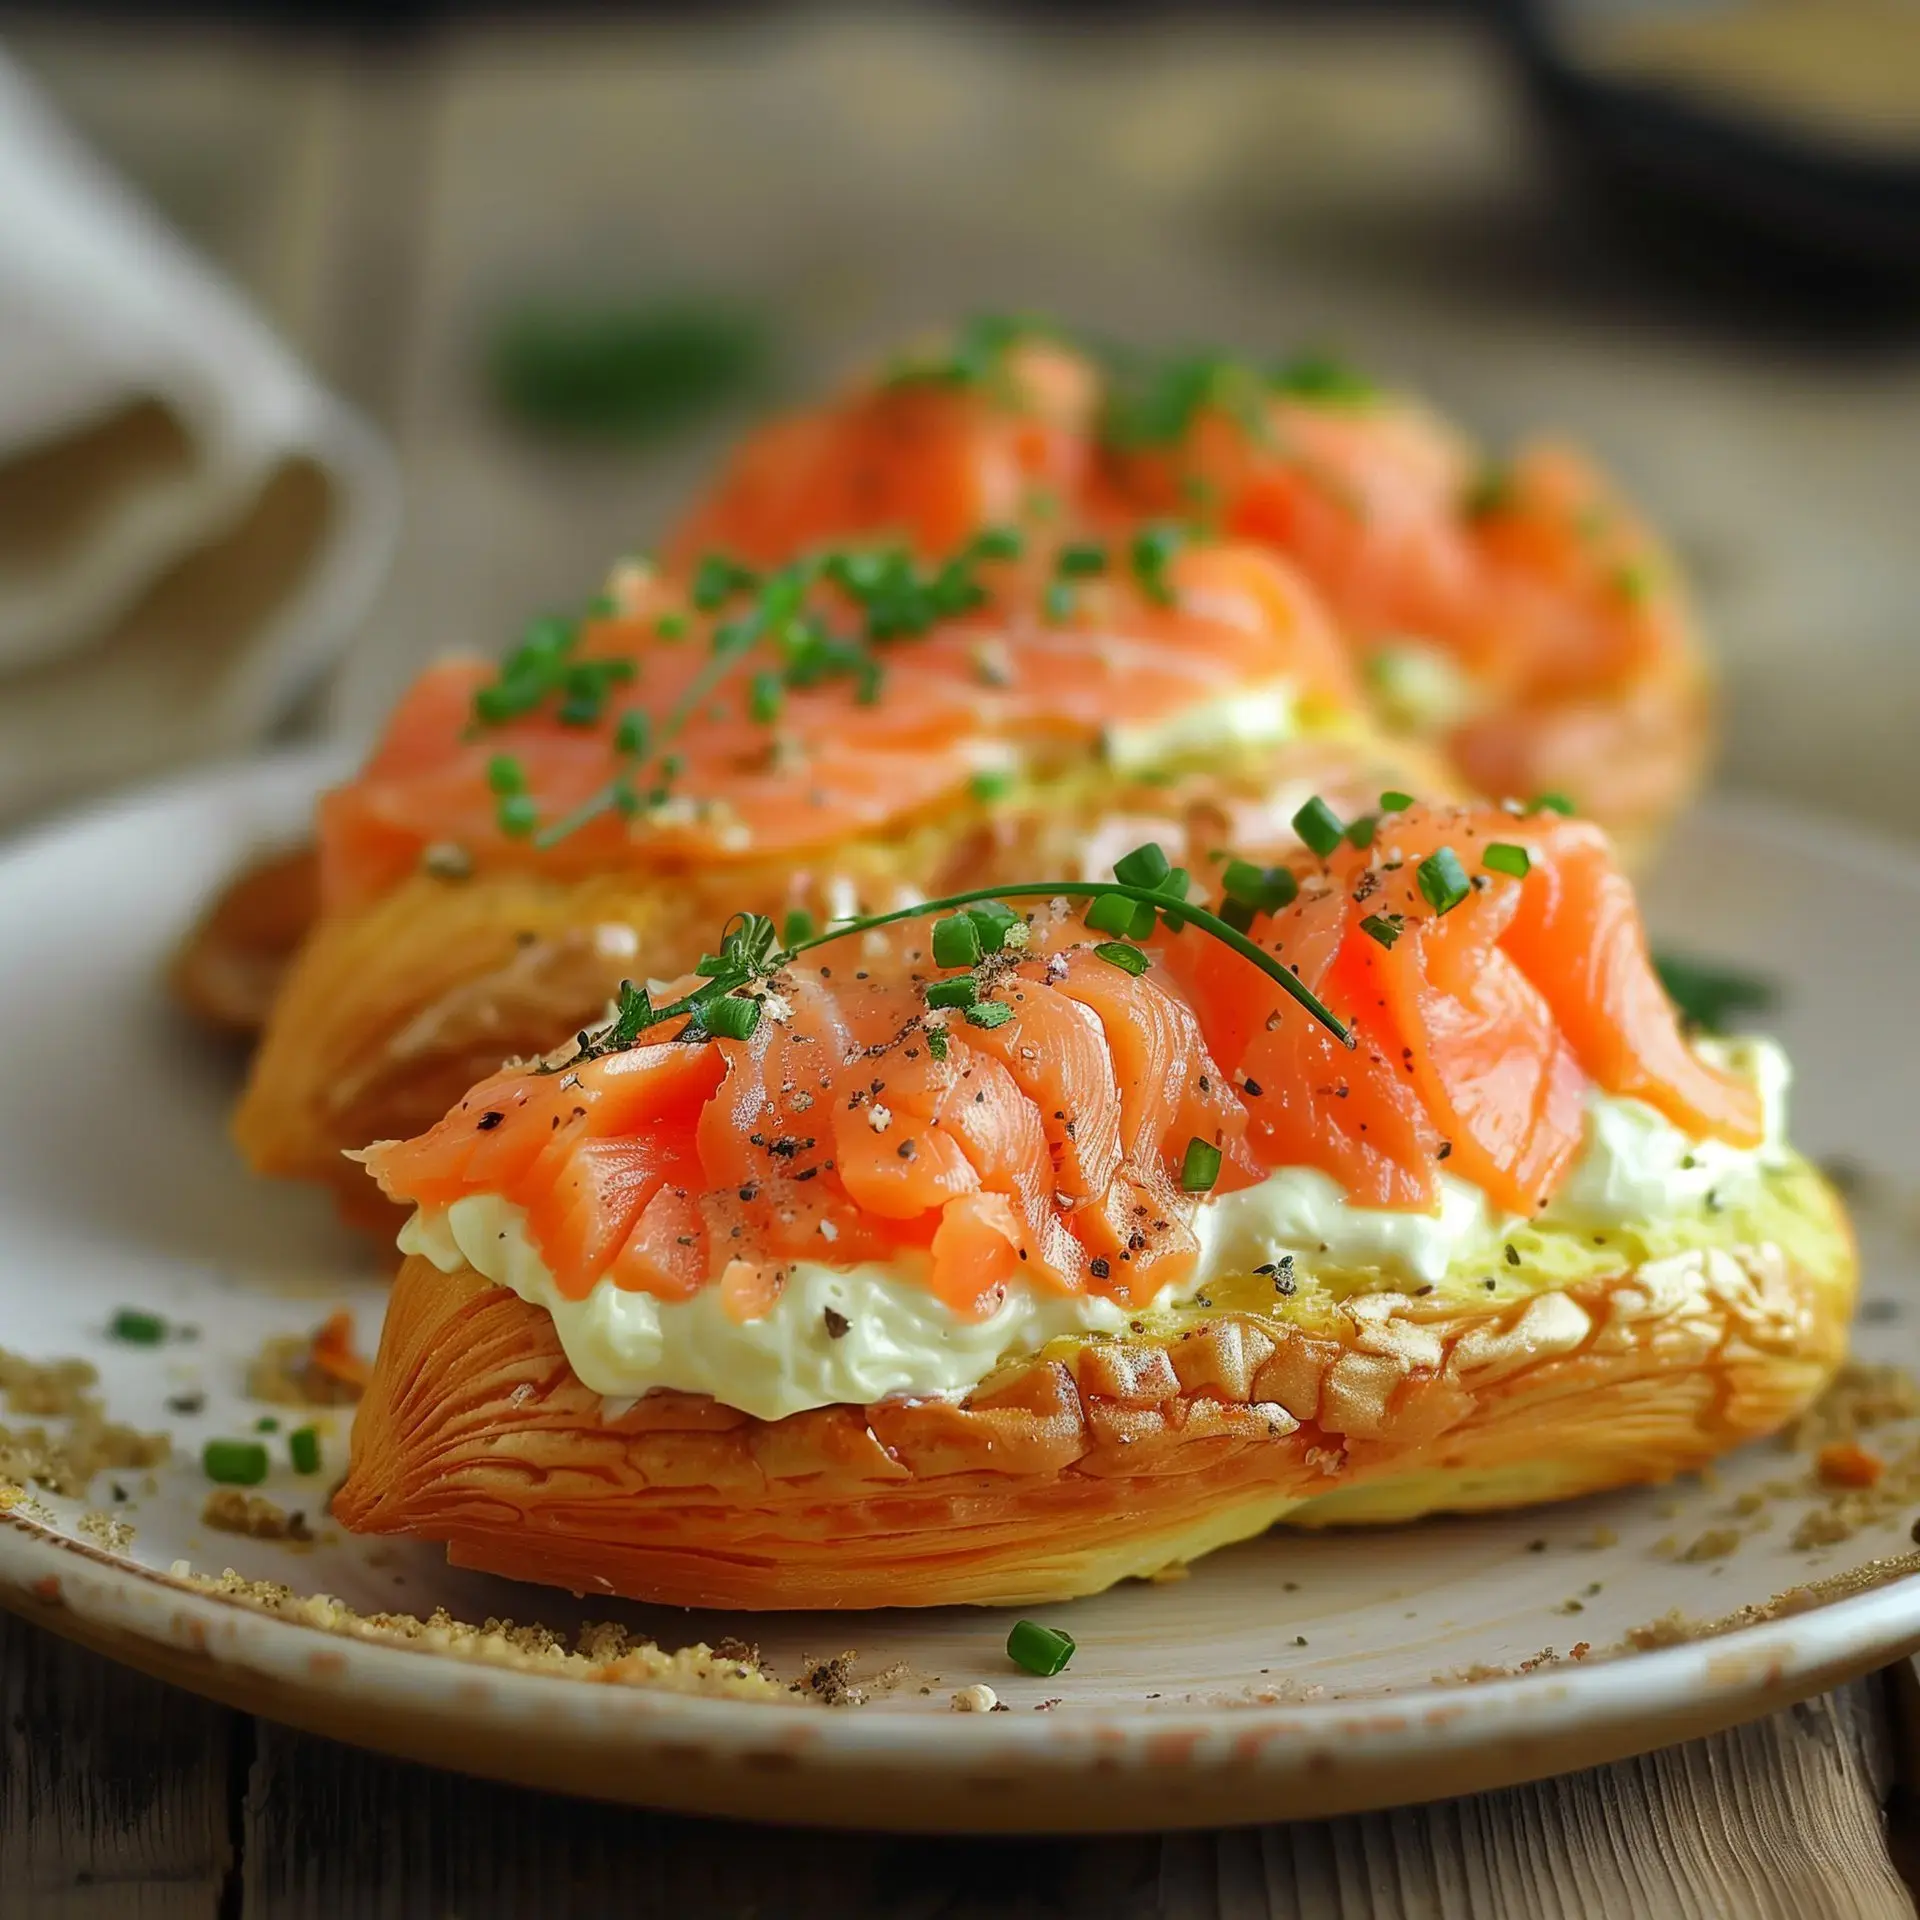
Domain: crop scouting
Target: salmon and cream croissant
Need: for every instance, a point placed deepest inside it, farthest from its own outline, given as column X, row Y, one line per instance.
column 1516, row 624
column 854, row 731
column 996, row 1254
column 1517, row 614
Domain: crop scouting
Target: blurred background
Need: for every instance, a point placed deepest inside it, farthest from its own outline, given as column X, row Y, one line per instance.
column 556, row 257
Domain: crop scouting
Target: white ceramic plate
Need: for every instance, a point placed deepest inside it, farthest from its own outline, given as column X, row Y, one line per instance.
column 1289, row 1676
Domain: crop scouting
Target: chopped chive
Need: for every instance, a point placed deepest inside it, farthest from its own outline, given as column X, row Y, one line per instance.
column 506, row 775
column 1502, row 856
column 1492, row 492
column 956, row 942
column 1319, row 827
column 717, row 579
column 937, row 1042
column 518, row 814
column 994, row 921
column 797, row 926
column 1360, row 832
column 1383, row 927
column 727, row 1017
column 137, row 1329
column 1111, row 913
column 1043, row 1651
column 1199, row 1167
column 1058, row 601
column 766, row 698
column 954, row 993
column 1394, row 801
column 671, row 626
column 1443, row 880
column 631, row 733
column 1259, row 889
column 1116, row 953
column 303, row 1449
column 602, row 606
column 991, row 783
column 1152, row 552
column 1550, row 803
column 1145, row 866
column 1320, row 375
column 633, row 1015
column 1080, row 560
column 267, row 1423
column 998, row 543
column 989, row 1013
column 1634, row 583
column 234, row 1463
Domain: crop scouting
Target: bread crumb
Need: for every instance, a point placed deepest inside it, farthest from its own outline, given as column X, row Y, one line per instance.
column 65, row 1463
column 109, row 1530
column 602, row 1651
column 1715, row 1544
column 831, row 1681
column 318, row 1369
column 978, row 1698
column 234, row 1510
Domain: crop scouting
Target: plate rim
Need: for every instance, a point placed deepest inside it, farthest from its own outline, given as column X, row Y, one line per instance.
column 1103, row 1767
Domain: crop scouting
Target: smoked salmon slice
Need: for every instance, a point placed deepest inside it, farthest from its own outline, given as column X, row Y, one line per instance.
column 1047, row 1097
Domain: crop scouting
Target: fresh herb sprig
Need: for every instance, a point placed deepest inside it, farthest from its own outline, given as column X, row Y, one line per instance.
column 894, row 596
column 1153, row 399
column 1147, row 889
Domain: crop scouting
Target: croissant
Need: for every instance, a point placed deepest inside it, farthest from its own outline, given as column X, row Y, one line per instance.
column 520, row 842
column 1517, row 627
column 1016, row 1259
column 1518, row 616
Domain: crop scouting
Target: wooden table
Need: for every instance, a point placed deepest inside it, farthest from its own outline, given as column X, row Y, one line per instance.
column 1360, row 183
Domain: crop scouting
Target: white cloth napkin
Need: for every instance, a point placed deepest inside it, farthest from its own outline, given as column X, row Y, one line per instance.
column 190, row 526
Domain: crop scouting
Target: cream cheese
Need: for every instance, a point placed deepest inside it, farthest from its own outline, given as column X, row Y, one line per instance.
column 894, row 1336
column 1249, row 717
column 853, row 1335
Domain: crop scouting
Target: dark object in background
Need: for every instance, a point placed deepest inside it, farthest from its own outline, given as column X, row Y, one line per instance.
column 1727, row 174
column 1707, row 995
column 626, row 373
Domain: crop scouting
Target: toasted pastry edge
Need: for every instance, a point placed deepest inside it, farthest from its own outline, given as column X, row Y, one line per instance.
column 1097, row 1460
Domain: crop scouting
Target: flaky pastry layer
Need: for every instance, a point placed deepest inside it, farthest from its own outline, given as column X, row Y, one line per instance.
column 1101, row 1458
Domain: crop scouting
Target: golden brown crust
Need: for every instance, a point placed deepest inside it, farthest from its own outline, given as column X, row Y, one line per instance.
column 391, row 1013
column 230, row 967
column 1064, row 1474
